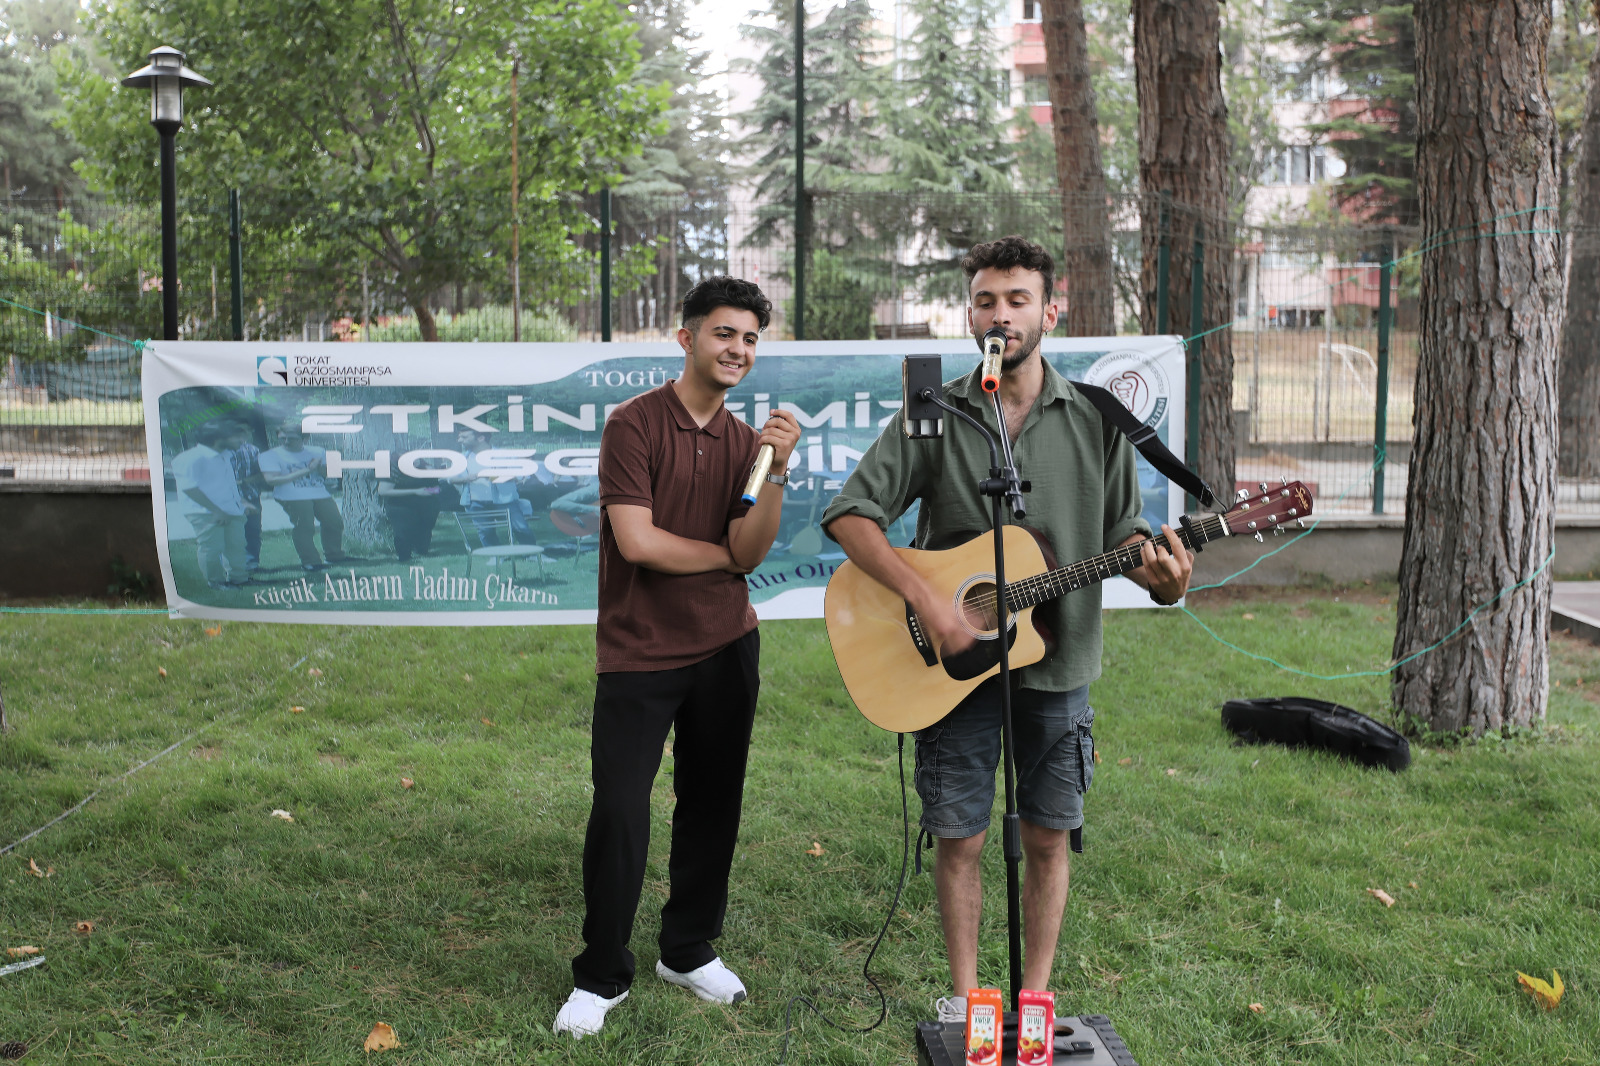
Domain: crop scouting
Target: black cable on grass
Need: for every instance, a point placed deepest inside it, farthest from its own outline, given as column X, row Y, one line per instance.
column 883, row 1001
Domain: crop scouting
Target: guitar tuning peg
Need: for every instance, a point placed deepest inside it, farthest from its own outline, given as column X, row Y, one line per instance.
column 1302, row 523
column 1284, row 482
column 1260, row 539
column 1244, row 494
column 1263, row 486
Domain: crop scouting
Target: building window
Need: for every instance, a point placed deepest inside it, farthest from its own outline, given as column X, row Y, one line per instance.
column 1036, row 89
column 1030, row 10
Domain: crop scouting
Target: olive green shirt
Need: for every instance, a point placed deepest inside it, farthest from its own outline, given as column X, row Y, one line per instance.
column 1085, row 500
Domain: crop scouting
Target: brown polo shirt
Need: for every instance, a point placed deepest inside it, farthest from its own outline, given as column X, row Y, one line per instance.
column 653, row 455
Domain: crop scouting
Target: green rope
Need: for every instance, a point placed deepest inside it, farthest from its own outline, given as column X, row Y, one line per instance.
column 138, row 346
column 1392, row 667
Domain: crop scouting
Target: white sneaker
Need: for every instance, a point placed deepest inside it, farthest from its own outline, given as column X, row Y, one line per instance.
column 584, row 1013
column 713, row 982
column 951, row 1008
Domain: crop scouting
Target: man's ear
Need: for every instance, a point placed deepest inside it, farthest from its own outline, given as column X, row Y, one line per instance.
column 685, row 340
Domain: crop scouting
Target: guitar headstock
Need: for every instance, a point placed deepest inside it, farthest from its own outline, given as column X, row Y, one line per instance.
column 1273, row 507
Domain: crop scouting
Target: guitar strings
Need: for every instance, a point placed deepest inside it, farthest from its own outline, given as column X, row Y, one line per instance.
column 1076, row 575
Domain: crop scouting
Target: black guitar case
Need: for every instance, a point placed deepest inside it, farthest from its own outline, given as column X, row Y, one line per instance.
column 1306, row 723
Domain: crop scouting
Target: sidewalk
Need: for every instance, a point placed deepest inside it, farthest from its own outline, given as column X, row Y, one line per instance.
column 1575, row 607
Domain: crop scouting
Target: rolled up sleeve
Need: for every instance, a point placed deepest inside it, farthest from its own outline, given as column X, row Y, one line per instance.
column 1124, row 505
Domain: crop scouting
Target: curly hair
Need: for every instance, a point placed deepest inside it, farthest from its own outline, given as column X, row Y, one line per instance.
column 720, row 290
column 1009, row 253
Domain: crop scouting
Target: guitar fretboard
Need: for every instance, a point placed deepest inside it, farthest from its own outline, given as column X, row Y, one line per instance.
column 1032, row 591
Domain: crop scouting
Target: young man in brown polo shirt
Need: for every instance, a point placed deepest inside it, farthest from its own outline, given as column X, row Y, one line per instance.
column 678, row 649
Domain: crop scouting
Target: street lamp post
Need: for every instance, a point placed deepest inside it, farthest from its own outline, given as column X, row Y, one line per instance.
column 165, row 77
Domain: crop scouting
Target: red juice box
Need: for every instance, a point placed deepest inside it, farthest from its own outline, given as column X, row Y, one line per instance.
column 1036, row 1028
column 984, row 1008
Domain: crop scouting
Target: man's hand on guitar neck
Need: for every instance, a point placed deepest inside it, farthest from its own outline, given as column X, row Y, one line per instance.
column 869, row 549
column 1164, row 574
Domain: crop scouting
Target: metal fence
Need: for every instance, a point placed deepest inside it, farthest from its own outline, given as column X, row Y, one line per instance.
column 1309, row 376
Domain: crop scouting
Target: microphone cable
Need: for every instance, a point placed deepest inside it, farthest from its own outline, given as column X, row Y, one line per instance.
column 883, row 1000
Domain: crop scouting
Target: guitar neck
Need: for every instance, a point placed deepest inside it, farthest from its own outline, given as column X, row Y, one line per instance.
column 1032, row 591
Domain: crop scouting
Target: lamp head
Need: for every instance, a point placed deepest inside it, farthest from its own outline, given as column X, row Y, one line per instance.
column 165, row 77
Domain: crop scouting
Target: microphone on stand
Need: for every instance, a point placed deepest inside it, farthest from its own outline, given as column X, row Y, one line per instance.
column 994, row 350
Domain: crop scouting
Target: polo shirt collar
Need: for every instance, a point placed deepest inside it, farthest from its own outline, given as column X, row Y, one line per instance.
column 1055, row 388
column 686, row 420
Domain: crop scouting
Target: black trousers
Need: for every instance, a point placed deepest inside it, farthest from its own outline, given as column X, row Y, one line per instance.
column 711, row 706
column 413, row 519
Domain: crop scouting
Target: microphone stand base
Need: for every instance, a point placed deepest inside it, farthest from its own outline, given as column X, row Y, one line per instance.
column 1081, row 1040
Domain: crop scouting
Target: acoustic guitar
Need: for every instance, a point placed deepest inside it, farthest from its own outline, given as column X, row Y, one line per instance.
column 894, row 673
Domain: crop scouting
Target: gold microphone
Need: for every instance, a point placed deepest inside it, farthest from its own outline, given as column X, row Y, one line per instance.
column 758, row 474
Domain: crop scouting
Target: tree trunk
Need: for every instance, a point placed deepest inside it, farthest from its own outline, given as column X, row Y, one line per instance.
column 1085, row 210
column 426, row 326
column 1480, row 498
column 1580, row 343
column 1184, row 149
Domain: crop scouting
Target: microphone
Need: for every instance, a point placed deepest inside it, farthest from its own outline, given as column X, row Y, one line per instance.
column 994, row 350
column 758, row 474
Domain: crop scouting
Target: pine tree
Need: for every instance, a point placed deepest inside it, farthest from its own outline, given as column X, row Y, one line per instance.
column 1370, row 47
column 36, row 156
column 669, row 224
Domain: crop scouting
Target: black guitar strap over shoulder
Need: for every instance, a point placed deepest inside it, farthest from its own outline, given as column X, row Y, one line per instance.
column 1149, row 444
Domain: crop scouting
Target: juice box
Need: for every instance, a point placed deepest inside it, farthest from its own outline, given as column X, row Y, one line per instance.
column 1036, row 1028
column 984, row 1008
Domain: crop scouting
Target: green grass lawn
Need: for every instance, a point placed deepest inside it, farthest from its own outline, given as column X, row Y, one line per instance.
column 1215, row 877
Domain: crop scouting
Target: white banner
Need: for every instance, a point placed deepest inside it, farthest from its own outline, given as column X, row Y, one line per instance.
column 456, row 484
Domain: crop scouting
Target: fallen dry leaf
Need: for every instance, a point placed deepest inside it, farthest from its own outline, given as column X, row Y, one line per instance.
column 33, row 868
column 406, row 782
column 466, row 677
column 1381, row 896
column 314, row 672
column 816, row 849
column 84, row 928
column 23, row 952
column 1249, row 617
column 161, row 671
column 1171, row 772
column 1547, row 996
column 297, row 710
column 1258, row 1008
column 285, row 815
column 485, row 721
column 381, row 1038
column 1411, row 884
column 1097, row 755
column 1125, row 762
column 213, row 631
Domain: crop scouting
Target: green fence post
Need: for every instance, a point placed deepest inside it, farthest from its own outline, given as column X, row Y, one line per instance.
column 1196, row 345
column 800, row 220
column 605, row 265
column 1163, row 262
column 236, row 263
column 1380, row 431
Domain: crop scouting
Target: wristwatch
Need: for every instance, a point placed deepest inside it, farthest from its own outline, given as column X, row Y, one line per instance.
column 778, row 479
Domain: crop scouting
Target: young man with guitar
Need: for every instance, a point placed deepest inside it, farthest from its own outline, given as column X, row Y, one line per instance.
column 1084, row 501
column 677, row 649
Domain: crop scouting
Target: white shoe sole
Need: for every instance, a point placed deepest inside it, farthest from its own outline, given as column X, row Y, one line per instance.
column 673, row 977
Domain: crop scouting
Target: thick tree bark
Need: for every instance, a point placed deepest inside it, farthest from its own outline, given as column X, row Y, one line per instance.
column 1579, row 379
column 1184, row 149
column 1480, row 499
column 1085, row 211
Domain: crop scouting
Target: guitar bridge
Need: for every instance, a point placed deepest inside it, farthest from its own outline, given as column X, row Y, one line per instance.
column 920, row 638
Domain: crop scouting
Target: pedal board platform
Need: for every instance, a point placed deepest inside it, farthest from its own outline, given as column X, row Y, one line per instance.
column 1081, row 1040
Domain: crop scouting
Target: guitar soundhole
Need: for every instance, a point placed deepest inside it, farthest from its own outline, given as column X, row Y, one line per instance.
column 979, row 610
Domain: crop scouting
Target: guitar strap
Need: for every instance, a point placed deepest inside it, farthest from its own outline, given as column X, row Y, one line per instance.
column 1149, row 444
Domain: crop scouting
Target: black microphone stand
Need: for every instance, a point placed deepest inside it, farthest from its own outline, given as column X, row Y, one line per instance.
column 1003, row 482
